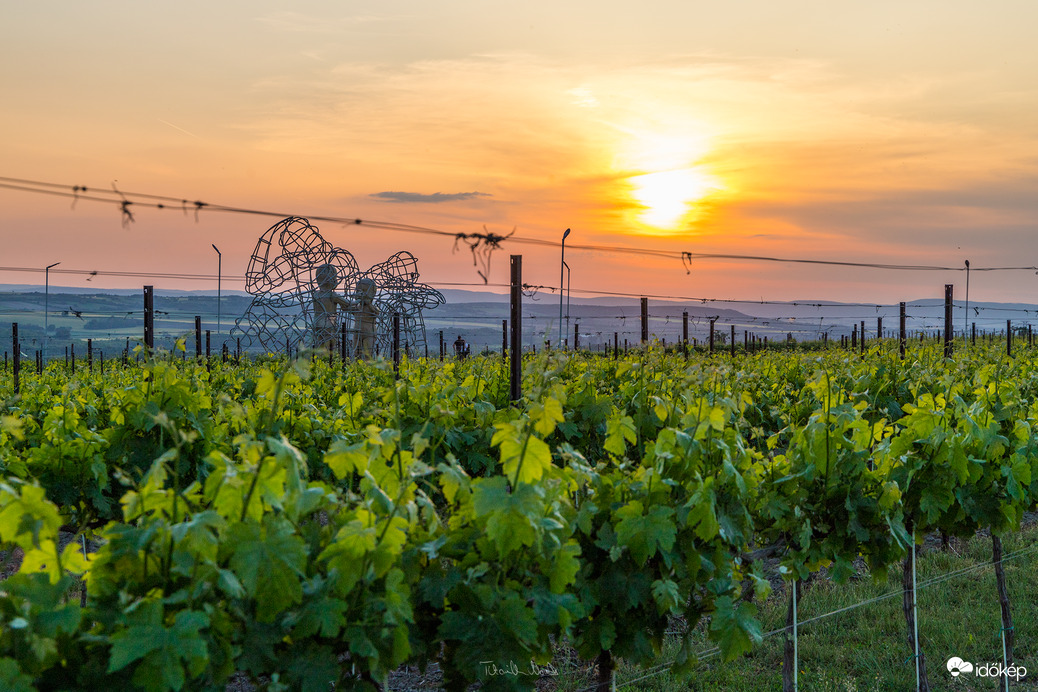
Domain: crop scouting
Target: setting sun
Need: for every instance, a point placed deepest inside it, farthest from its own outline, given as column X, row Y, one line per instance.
column 667, row 196
column 664, row 177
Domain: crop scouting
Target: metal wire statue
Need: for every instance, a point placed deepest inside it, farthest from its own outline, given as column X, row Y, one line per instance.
column 305, row 290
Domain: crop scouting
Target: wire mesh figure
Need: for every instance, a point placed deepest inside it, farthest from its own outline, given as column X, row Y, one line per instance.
column 398, row 291
column 295, row 277
column 364, row 314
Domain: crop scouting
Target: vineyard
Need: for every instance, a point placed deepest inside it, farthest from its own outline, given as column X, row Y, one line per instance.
column 177, row 523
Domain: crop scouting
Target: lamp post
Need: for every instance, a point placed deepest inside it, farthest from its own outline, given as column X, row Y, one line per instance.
column 46, row 309
column 562, row 268
column 566, row 266
column 219, row 274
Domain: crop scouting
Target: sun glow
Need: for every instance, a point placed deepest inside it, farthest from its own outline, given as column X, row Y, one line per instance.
column 667, row 196
column 669, row 183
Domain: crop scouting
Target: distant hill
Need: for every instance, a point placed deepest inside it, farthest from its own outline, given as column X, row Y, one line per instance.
column 33, row 288
column 116, row 315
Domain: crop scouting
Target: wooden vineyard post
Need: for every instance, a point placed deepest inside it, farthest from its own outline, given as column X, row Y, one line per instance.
column 879, row 327
column 948, row 288
column 208, row 345
column 1009, row 337
column 862, row 335
column 733, row 341
column 616, row 345
column 854, row 337
column 441, row 344
column 712, row 320
column 973, row 334
column 684, row 333
column 606, row 672
column 149, row 317
column 198, row 338
column 504, row 339
column 16, row 352
column 396, row 344
column 516, row 313
column 90, row 355
column 237, row 351
column 645, row 320
column 576, row 336
column 903, row 335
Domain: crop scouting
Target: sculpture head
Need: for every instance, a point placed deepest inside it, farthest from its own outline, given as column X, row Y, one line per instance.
column 366, row 290
column 327, row 277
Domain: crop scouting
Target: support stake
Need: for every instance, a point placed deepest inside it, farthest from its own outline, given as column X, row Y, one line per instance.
column 903, row 338
column 198, row 338
column 516, row 310
column 149, row 317
column 396, row 344
column 645, row 320
column 16, row 351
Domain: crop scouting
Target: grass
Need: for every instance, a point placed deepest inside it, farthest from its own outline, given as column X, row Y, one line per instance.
column 866, row 647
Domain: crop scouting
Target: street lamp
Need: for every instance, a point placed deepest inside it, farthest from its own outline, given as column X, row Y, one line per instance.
column 566, row 265
column 219, row 273
column 562, row 269
column 46, row 309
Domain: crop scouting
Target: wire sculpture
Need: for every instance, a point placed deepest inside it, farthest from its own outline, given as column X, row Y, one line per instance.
column 309, row 293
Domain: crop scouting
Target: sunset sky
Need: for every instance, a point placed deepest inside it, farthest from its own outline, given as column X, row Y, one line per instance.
column 891, row 132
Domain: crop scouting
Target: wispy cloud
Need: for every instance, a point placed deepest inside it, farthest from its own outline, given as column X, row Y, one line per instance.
column 434, row 198
column 177, row 127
